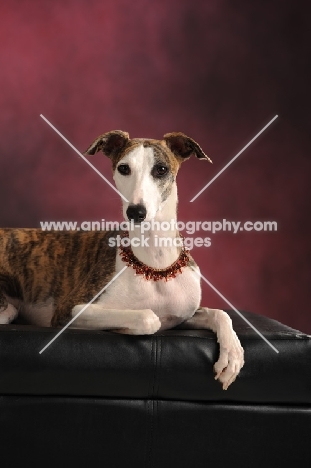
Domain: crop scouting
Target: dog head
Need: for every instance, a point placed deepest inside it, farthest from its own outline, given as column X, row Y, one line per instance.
column 145, row 169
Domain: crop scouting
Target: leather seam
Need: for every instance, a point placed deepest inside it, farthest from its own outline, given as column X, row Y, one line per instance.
column 150, row 432
column 150, row 404
column 159, row 367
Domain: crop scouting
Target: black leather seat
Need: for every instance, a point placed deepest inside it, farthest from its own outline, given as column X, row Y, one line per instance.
column 103, row 399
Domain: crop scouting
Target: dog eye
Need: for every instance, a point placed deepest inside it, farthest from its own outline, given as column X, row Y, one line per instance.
column 159, row 170
column 124, row 169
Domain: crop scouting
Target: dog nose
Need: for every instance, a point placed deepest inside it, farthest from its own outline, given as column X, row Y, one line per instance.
column 136, row 212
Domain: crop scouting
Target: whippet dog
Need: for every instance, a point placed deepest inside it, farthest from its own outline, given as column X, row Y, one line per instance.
column 46, row 278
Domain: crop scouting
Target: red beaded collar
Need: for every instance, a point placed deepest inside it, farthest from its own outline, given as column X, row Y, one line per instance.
column 150, row 273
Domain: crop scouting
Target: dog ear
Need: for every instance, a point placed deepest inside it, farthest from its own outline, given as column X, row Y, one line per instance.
column 110, row 143
column 183, row 147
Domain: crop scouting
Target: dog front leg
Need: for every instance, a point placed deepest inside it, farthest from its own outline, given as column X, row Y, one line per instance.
column 130, row 322
column 231, row 353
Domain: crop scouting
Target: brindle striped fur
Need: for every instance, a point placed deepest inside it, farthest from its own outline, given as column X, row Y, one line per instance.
column 70, row 267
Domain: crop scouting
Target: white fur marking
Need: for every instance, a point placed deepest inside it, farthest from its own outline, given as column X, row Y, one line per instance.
column 8, row 315
column 139, row 187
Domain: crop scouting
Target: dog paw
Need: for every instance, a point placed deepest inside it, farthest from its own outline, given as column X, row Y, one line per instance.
column 231, row 358
column 8, row 315
column 146, row 323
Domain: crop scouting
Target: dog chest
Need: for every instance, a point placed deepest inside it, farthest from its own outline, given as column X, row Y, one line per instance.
column 178, row 297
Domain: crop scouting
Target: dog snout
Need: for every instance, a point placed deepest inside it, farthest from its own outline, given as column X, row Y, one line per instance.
column 137, row 213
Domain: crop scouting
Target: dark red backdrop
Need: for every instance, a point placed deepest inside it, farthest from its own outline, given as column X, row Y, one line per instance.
column 216, row 70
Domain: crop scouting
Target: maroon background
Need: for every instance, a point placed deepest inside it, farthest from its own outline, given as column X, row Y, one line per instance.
column 216, row 70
